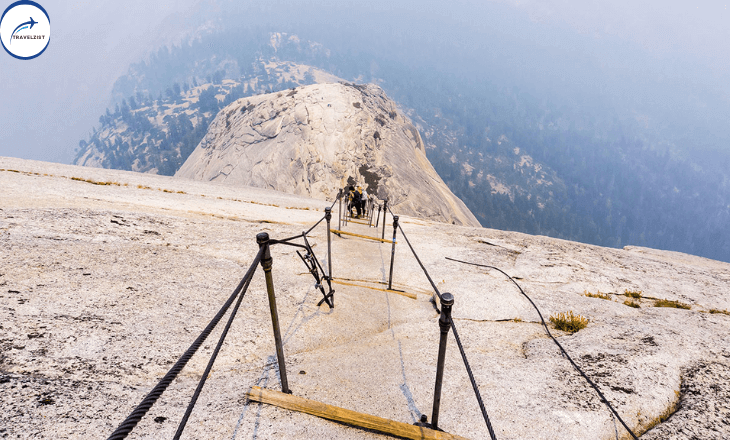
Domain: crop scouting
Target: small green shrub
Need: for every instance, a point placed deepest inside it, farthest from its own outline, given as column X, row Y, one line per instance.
column 597, row 295
column 724, row 312
column 669, row 303
column 633, row 304
column 636, row 294
column 569, row 322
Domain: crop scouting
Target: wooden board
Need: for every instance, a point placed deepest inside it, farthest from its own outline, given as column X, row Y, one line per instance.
column 335, row 231
column 399, row 292
column 359, row 222
column 342, row 415
column 412, row 289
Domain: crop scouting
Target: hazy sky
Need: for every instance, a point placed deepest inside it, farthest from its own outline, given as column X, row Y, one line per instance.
column 51, row 102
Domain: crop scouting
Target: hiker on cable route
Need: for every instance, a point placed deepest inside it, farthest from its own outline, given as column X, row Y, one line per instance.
column 350, row 199
column 357, row 200
column 364, row 201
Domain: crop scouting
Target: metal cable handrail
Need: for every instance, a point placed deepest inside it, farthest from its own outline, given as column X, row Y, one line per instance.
column 562, row 350
column 456, row 336
column 204, row 377
column 131, row 421
column 139, row 412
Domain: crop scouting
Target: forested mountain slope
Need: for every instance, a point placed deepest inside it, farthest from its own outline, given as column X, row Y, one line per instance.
column 572, row 167
column 148, row 134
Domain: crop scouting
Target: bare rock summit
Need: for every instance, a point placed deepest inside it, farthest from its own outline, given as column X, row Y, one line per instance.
column 314, row 139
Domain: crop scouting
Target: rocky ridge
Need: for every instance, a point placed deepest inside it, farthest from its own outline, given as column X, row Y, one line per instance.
column 315, row 139
column 156, row 135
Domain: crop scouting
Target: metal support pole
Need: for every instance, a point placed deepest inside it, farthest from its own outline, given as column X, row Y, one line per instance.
column 339, row 220
column 262, row 239
column 371, row 208
column 447, row 300
column 328, row 217
column 392, row 252
column 377, row 219
column 346, row 196
column 385, row 215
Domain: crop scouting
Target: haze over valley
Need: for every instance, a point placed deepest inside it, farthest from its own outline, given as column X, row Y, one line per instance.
column 605, row 125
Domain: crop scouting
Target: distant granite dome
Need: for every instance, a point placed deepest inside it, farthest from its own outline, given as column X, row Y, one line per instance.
column 315, row 139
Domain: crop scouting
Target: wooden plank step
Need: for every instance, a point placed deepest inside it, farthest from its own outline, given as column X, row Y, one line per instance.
column 335, row 231
column 342, row 415
column 360, row 222
column 385, row 283
column 399, row 292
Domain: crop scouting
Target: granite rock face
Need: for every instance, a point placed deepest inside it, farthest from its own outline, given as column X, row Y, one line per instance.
column 315, row 139
column 108, row 276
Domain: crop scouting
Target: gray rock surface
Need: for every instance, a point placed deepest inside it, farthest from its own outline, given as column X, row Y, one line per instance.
column 107, row 276
column 314, row 139
column 123, row 142
column 703, row 412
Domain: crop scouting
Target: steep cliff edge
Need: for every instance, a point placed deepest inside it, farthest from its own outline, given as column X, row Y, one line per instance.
column 314, row 139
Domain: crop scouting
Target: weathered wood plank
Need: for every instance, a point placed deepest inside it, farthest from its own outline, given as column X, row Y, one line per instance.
column 342, row 415
column 335, row 231
column 399, row 292
column 359, row 222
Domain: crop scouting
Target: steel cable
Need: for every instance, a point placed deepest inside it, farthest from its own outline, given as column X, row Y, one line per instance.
column 419, row 260
column 562, row 350
column 286, row 243
column 473, row 382
column 458, row 341
column 248, row 277
column 314, row 257
column 139, row 412
column 290, row 238
column 131, row 421
column 310, row 229
column 339, row 194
